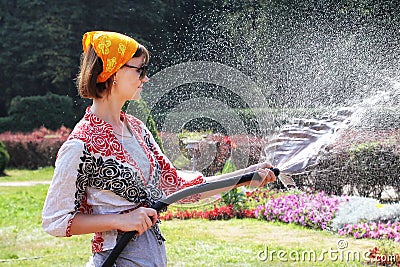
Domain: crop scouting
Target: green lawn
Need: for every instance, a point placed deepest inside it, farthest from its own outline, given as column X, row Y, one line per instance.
column 18, row 175
column 189, row 243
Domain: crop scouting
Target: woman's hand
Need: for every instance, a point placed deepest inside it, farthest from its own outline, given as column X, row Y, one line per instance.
column 266, row 176
column 263, row 169
column 139, row 220
column 261, row 165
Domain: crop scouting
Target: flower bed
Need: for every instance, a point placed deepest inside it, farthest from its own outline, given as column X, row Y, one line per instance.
column 312, row 210
column 372, row 230
column 217, row 213
column 316, row 210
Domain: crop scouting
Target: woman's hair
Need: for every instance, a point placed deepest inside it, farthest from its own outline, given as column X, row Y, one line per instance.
column 91, row 66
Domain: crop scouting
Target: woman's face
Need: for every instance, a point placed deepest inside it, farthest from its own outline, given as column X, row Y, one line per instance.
column 128, row 84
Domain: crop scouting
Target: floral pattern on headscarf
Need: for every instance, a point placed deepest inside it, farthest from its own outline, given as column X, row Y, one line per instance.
column 114, row 49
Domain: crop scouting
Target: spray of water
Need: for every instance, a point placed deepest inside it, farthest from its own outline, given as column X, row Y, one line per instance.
column 293, row 73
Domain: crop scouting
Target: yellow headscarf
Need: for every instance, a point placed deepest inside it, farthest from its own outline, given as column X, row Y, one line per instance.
column 113, row 48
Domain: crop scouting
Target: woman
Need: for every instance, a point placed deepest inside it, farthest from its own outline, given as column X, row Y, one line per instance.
column 110, row 170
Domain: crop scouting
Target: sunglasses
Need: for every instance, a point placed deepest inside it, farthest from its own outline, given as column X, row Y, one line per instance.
column 142, row 70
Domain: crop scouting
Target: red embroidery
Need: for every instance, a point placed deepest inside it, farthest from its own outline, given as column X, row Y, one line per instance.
column 99, row 138
column 68, row 230
column 97, row 242
column 137, row 131
column 170, row 182
column 85, row 208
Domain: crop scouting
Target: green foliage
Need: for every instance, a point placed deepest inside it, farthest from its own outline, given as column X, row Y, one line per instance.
column 41, row 43
column 6, row 123
column 236, row 196
column 387, row 247
column 4, row 158
column 177, row 96
column 228, row 167
column 364, row 147
column 140, row 110
column 51, row 111
column 198, row 136
column 367, row 169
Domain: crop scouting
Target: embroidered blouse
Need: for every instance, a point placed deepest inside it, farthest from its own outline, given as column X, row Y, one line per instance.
column 95, row 174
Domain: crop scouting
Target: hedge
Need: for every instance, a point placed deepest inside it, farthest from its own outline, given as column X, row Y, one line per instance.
column 361, row 163
column 4, row 158
column 27, row 113
column 36, row 149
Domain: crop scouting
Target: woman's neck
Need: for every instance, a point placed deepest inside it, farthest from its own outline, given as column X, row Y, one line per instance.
column 108, row 111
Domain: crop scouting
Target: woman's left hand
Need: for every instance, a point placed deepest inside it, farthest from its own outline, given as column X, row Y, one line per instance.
column 264, row 171
column 261, row 165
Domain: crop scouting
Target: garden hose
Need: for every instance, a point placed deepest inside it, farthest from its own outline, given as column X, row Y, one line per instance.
column 184, row 193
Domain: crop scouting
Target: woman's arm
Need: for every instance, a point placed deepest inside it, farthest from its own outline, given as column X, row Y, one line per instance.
column 138, row 220
column 65, row 213
column 252, row 168
column 263, row 170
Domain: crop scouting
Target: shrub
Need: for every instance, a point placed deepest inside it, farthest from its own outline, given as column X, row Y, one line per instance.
column 363, row 163
column 6, row 123
column 36, row 149
column 4, row 158
column 29, row 113
column 216, row 149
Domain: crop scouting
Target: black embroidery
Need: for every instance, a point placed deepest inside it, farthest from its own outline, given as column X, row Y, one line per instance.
column 110, row 175
column 157, row 169
column 149, row 144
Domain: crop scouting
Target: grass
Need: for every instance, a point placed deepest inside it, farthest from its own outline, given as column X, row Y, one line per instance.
column 22, row 175
column 247, row 242
column 23, row 242
column 189, row 243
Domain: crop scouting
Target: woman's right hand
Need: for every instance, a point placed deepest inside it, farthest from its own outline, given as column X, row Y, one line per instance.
column 140, row 220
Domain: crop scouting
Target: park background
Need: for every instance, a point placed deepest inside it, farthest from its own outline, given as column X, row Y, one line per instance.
column 282, row 45
column 41, row 47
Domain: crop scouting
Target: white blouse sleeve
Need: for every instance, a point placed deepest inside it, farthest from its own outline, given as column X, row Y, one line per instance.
column 61, row 202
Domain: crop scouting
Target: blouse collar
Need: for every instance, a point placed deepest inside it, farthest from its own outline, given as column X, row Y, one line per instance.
column 97, row 121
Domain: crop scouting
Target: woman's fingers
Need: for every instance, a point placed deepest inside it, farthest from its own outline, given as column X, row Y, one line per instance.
column 265, row 165
column 266, row 176
column 269, row 177
column 153, row 215
column 139, row 220
column 148, row 217
column 261, row 165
